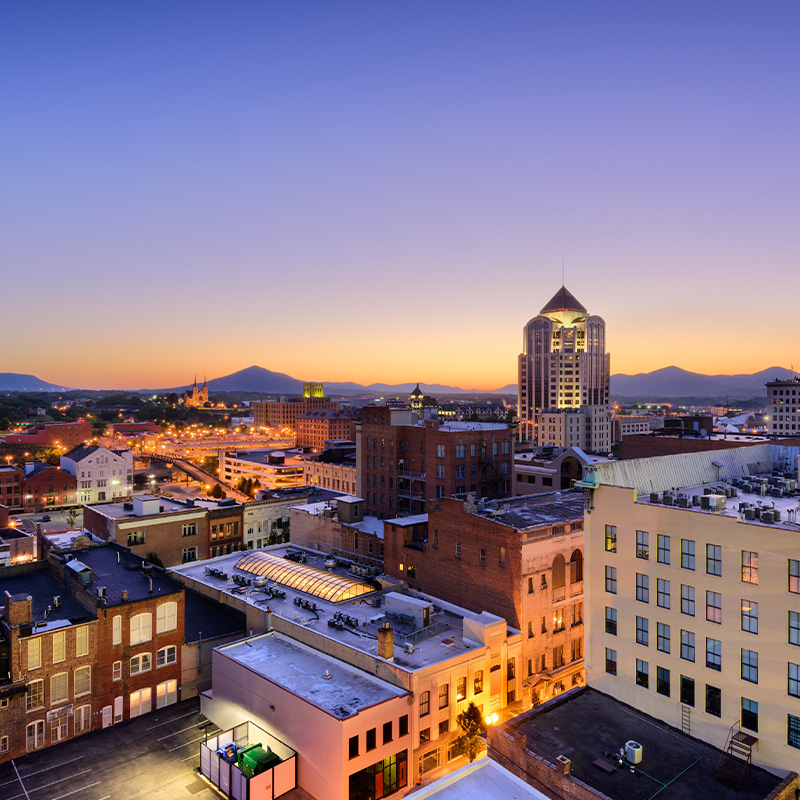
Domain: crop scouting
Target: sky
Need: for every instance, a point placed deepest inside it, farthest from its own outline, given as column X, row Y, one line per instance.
column 388, row 192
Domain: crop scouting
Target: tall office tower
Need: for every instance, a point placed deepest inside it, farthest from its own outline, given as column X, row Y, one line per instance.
column 564, row 377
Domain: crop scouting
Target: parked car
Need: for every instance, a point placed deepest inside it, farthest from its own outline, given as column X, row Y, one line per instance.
column 46, row 518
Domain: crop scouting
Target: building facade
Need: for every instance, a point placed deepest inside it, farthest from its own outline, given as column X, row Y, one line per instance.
column 694, row 595
column 45, row 487
column 405, row 462
column 283, row 413
column 11, row 481
column 564, row 367
column 102, row 474
column 271, row 469
column 314, row 428
column 783, row 407
column 53, row 434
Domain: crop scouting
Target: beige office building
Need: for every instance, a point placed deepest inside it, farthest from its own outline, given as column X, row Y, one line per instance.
column 693, row 595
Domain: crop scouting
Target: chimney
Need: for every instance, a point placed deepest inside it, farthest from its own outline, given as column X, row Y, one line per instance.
column 18, row 609
column 386, row 641
column 124, row 595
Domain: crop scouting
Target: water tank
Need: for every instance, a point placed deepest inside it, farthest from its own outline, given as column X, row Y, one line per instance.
column 633, row 752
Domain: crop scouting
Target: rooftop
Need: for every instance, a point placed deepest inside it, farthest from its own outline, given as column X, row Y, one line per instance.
column 323, row 681
column 359, row 618
column 204, row 619
column 533, row 510
column 586, row 725
column 484, row 779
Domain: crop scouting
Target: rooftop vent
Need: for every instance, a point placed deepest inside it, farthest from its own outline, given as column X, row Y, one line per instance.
column 326, row 675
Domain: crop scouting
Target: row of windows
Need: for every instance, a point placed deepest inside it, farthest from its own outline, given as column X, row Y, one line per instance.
column 461, row 689
column 59, row 688
column 142, row 662
column 59, row 646
column 371, row 736
column 141, row 625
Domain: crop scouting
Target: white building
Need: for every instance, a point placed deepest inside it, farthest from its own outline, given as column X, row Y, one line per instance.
column 783, row 407
column 273, row 469
column 103, row 475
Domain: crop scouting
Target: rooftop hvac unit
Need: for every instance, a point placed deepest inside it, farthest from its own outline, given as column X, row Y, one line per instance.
column 633, row 752
column 408, row 647
column 669, row 499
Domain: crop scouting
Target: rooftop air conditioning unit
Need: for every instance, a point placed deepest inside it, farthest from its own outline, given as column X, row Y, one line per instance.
column 633, row 752
column 408, row 647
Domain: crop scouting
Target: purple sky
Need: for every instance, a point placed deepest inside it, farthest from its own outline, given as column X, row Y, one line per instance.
column 386, row 191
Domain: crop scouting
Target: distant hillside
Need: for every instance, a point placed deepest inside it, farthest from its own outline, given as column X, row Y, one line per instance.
column 674, row 382
column 16, row 382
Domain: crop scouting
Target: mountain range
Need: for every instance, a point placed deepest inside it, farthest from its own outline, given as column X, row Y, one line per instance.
column 666, row 383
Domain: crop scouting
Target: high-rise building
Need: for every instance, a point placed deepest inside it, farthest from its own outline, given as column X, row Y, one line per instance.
column 564, row 377
column 783, row 406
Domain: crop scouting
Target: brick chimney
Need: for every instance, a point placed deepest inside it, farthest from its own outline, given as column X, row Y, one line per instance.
column 386, row 641
column 18, row 609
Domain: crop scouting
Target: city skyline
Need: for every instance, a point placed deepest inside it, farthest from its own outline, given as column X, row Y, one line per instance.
column 388, row 194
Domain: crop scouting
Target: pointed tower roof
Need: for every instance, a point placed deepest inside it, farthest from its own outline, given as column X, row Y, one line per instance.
column 417, row 391
column 563, row 300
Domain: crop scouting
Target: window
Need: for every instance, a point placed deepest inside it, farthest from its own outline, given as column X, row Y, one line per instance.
column 439, row 451
column 116, row 628
column 34, row 653
column 425, row 704
column 34, row 735
column 611, row 538
column 749, row 616
column 116, row 672
column 687, row 600
column 82, row 641
column 642, row 631
column 190, row 529
column 140, row 702
column 611, row 580
column 642, row 587
column 714, row 607
column 687, row 553
column 141, row 628
column 714, row 654
column 794, row 679
column 642, row 544
column 713, row 701
column 687, row 645
column 444, row 695
column 35, row 695
column 611, row 621
column 140, row 663
column 687, row 691
column 501, row 559
column 483, row 559
column 460, row 450
column 4, row 744
column 663, row 549
column 642, row 673
column 353, row 746
column 662, row 681
column 794, row 627
column 372, row 739
column 792, row 730
column 425, row 736
column 458, row 549
column 189, row 554
column 59, row 647
column 794, row 576
column 135, row 537
column 662, row 597
column 387, row 732
column 714, row 559
column 611, row 661
column 477, row 685
column 439, row 471
column 59, row 688
column 750, row 714
column 166, row 617
column 749, row 666
column 166, row 655
column 749, row 567
column 662, row 637
column 402, row 725
column 444, row 727
column 83, row 680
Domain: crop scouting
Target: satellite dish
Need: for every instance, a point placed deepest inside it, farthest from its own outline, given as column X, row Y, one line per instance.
column 704, row 433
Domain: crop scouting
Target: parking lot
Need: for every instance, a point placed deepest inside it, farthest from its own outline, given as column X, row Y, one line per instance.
column 153, row 756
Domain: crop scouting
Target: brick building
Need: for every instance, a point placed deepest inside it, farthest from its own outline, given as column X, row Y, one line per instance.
column 88, row 639
column 176, row 533
column 225, row 527
column 45, row 486
column 314, row 428
column 520, row 558
column 406, row 462
column 53, row 434
column 283, row 413
column 335, row 468
column 11, row 486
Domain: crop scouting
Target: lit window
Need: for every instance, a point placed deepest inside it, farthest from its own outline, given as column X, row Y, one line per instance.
column 749, row 567
column 611, row 538
column 141, row 628
column 166, row 617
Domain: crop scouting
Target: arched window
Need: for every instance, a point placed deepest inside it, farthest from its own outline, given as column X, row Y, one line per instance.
column 166, row 617
column 559, row 571
column 576, row 567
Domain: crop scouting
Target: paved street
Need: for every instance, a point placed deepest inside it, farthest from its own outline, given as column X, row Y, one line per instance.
column 154, row 756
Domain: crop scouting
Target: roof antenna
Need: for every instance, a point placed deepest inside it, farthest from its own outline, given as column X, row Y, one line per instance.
column 563, row 271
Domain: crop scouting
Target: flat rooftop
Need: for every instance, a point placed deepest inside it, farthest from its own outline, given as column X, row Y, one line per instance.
column 369, row 524
column 534, row 510
column 329, row 684
column 586, row 725
column 440, row 641
column 484, row 779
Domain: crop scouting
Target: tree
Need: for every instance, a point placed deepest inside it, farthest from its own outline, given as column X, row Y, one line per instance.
column 72, row 515
column 5, row 424
column 155, row 560
column 472, row 726
column 217, row 493
column 248, row 487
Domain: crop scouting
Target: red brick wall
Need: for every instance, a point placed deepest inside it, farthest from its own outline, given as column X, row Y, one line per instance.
column 52, row 483
column 647, row 446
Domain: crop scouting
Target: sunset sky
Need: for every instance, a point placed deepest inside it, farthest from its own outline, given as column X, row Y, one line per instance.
column 386, row 191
